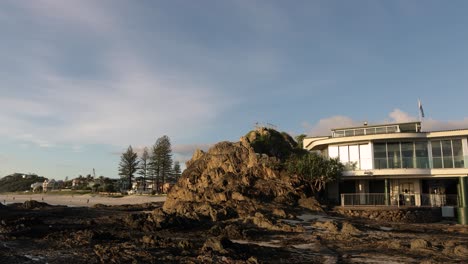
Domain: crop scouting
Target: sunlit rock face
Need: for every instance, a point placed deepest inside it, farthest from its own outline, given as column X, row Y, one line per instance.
column 231, row 180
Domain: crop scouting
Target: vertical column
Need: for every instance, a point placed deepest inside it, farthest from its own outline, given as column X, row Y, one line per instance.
column 387, row 196
column 463, row 201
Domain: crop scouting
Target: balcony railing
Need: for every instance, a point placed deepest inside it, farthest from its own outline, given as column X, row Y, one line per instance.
column 406, row 163
column 382, row 199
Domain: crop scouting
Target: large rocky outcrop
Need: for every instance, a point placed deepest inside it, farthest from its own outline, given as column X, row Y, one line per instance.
column 230, row 180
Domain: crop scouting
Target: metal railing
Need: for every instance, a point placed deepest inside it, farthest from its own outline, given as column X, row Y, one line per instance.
column 382, row 199
column 406, row 163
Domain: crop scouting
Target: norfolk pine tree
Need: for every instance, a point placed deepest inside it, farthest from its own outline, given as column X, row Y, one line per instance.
column 161, row 160
column 144, row 166
column 176, row 170
column 128, row 165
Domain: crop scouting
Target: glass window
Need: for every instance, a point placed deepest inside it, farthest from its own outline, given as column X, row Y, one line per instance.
column 391, row 129
column 349, row 133
column 380, row 130
column 380, row 156
column 370, row 131
column 447, row 153
column 333, row 152
column 365, row 155
column 344, row 157
column 354, row 156
column 359, row 132
column 393, row 150
column 408, row 157
column 339, row 133
column 422, row 158
column 436, row 154
column 458, row 153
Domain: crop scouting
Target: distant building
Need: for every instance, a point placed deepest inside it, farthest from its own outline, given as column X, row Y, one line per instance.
column 48, row 185
column 36, row 187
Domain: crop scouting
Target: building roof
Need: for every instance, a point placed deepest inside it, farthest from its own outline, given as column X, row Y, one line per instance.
column 405, row 124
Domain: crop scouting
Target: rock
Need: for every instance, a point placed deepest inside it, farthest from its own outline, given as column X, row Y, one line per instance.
column 32, row 204
column 394, row 245
column 217, row 244
column 280, row 213
column 461, row 251
column 232, row 232
column 327, row 225
column 420, row 244
column 150, row 240
column 261, row 221
column 185, row 244
column 311, row 204
column 252, row 260
column 349, row 229
column 215, row 230
column 230, row 180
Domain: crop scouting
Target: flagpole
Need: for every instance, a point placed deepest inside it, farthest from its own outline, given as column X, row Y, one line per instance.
column 420, row 112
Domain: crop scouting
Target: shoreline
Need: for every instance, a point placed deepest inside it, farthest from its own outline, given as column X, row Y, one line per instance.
column 84, row 200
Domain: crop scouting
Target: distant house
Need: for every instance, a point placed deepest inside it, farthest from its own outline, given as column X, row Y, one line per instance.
column 77, row 182
column 36, row 187
column 48, row 185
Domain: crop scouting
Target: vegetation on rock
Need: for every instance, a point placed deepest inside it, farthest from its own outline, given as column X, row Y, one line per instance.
column 272, row 143
column 19, row 182
column 317, row 169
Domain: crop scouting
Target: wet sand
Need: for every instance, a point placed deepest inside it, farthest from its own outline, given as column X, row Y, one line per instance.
column 80, row 199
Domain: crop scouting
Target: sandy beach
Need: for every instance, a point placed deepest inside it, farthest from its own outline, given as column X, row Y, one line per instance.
column 79, row 200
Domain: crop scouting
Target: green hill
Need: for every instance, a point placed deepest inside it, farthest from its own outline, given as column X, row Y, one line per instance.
column 19, row 182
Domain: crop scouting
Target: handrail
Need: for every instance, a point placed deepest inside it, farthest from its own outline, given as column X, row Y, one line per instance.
column 413, row 199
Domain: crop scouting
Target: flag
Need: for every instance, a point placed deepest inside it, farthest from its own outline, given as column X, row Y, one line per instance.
column 421, row 111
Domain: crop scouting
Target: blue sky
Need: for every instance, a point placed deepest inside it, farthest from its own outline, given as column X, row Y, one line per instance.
column 82, row 80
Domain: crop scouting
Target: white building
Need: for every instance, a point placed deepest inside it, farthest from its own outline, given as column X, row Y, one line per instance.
column 396, row 164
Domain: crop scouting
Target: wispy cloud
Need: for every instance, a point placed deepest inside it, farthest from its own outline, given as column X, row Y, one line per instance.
column 323, row 126
column 129, row 101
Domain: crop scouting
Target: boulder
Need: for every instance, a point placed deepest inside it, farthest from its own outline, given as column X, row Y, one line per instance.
column 349, row 229
column 461, row 251
column 330, row 226
column 420, row 244
column 231, row 180
column 32, row 204
column 217, row 244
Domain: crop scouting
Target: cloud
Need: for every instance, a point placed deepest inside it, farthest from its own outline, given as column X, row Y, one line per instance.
column 399, row 116
column 323, row 126
column 184, row 152
column 83, row 13
column 436, row 125
column 129, row 99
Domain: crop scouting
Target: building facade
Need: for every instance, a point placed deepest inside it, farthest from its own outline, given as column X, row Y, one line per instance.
column 396, row 164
